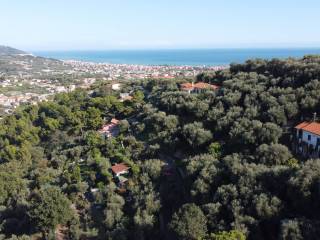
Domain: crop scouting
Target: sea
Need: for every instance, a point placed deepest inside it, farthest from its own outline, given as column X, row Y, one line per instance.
column 181, row 57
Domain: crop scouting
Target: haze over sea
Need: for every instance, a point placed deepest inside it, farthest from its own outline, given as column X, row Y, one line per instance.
column 208, row 57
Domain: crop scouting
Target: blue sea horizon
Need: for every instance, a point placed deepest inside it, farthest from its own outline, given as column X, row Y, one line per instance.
column 179, row 57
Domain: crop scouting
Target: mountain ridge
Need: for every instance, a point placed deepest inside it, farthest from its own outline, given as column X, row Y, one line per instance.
column 6, row 50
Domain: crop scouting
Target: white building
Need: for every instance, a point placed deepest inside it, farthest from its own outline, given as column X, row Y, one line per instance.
column 116, row 86
column 72, row 88
column 308, row 139
column 60, row 89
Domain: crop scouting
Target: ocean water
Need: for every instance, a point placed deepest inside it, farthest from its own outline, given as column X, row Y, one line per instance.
column 208, row 57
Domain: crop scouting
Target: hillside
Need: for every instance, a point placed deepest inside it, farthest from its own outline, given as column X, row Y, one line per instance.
column 4, row 50
column 169, row 162
column 14, row 62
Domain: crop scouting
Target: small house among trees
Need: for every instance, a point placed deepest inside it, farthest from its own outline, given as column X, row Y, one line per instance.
column 125, row 97
column 198, row 87
column 111, row 129
column 120, row 169
column 307, row 139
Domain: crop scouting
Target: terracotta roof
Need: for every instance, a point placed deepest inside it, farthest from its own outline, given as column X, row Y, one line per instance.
column 312, row 127
column 203, row 85
column 187, row 86
column 109, row 126
column 199, row 85
column 118, row 168
column 114, row 121
column 301, row 125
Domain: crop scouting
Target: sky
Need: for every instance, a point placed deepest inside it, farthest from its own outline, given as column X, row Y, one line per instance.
column 158, row 24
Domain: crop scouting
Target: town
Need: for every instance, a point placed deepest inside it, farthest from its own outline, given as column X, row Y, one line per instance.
column 39, row 79
column 131, row 72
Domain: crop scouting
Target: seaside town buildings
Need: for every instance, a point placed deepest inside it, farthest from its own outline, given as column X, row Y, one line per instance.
column 30, row 84
column 130, row 71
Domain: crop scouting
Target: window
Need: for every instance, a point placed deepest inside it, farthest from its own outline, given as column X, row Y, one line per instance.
column 309, row 137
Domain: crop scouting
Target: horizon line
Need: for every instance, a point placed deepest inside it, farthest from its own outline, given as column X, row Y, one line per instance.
column 172, row 49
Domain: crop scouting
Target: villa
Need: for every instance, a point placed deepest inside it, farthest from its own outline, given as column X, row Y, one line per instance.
column 120, row 169
column 111, row 129
column 199, row 87
column 307, row 139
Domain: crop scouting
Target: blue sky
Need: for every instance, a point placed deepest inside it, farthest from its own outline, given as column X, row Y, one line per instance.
column 145, row 24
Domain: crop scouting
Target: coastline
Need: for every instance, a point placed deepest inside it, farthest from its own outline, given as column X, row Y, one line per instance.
column 178, row 57
column 81, row 62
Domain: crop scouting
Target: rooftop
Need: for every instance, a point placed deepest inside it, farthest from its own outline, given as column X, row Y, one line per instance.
column 198, row 85
column 115, row 121
column 312, row 127
column 118, row 168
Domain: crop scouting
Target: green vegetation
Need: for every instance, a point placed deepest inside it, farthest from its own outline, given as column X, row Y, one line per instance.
column 22, row 89
column 48, row 208
column 208, row 166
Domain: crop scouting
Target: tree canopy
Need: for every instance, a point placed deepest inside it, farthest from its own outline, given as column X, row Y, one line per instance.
column 213, row 165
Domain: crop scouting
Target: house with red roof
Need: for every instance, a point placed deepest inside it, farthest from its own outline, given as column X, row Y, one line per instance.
column 307, row 135
column 111, row 129
column 198, row 87
column 120, row 169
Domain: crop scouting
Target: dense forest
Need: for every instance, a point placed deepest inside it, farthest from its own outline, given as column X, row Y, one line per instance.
column 216, row 165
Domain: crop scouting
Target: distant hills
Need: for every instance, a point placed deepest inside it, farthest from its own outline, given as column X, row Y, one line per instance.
column 5, row 50
column 16, row 62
